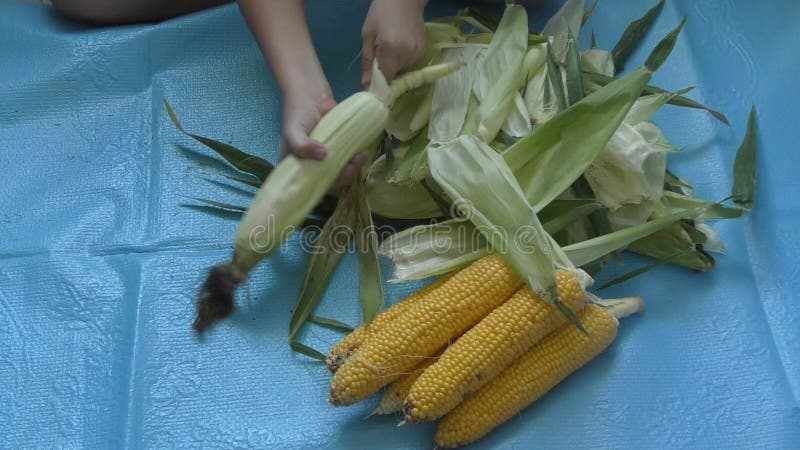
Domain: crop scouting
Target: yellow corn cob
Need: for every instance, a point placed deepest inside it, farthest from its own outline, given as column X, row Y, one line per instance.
column 533, row 374
column 392, row 400
column 444, row 314
column 339, row 352
column 489, row 347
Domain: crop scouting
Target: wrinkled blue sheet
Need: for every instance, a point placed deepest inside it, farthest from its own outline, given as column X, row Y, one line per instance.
column 99, row 260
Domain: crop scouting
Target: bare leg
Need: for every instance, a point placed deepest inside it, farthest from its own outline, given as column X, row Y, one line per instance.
column 117, row 12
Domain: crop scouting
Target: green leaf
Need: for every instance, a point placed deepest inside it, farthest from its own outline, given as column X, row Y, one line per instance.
column 220, row 205
column 664, row 48
column 253, row 165
column 562, row 221
column 545, row 163
column 587, row 251
column 367, row 239
column 556, row 153
column 678, row 100
column 573, row 71
column 593, row 44
column 445, row 206
column 671, row 240
column 554, row 76
column 326, row 253
column 633, row 35
column 641, row 270
column 744, row 166
column 412, row 167
column 599, row 218
column 560, row 207
column 567, row 20
column 674, row 183
column 243, row 180
column 588, row 14
column 306, row 350
column 330, row 323
column 677, row 202
column 482, row 17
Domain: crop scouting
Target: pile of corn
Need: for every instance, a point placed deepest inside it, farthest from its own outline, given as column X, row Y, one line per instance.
column 495, row 131
column 473, row 348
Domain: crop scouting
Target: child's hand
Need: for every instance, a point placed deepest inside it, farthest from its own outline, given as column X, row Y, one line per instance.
column 301, row 113
column 394, row 32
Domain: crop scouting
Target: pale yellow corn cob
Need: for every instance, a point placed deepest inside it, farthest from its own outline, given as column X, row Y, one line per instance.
column 489, row 347
column 533, row 374
column 441, row 316
column 339, row 352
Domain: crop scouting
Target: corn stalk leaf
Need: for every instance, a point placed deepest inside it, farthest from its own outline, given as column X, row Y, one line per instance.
column 678, row 100
column 478, row 180
column 582, row 253
column 556, row 153
column 482, row 17
column 545, row 163
column 744, row 166
column 242, row 161
column 588, row 14
column 672, row 240
column 412, row 166
column 564, row 22
column 330, row 323
column 641, row 270
column 306, row 350
column 561, row 221
column 556, row 82
column 677, row 201
column 220, row 205
column 326, row 252
column 664, row 48
column 573, row 71
column 633, row 35
column 367, row 239
column 674, row 183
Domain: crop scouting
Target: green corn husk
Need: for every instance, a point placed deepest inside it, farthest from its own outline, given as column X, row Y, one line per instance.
column 501, row 77
column 296, row 185
column 477, row 179
column 397, row 201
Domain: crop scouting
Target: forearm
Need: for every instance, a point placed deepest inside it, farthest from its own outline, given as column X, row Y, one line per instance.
column 281, row 31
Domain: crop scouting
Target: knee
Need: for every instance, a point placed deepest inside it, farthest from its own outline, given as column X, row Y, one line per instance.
column 99, row 12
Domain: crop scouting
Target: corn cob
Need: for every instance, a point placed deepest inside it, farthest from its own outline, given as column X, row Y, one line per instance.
column 489, row 347
column 296, row 185
column 443, row 315
column 533, row 374
column 392, row 400
column 339, row 352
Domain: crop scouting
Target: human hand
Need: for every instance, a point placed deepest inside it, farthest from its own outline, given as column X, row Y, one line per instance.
column 301, row 114
column 393, row 32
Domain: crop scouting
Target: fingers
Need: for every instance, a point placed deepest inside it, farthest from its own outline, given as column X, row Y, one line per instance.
column 298, row 143
column 351, row 170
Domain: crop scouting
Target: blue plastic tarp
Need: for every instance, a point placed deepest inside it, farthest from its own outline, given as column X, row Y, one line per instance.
column 100, row 260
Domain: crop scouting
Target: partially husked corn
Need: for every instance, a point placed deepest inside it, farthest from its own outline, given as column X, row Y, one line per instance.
column 447, row 312
column 339, row 352
column 392, row 400
column 484, row 351
column 531, row 376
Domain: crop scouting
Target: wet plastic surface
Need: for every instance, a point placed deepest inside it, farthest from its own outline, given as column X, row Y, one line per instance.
column 99, row 260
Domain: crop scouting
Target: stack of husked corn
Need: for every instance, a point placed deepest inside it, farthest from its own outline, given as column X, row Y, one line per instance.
column 503, row 347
